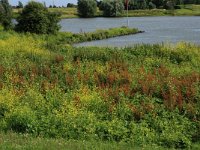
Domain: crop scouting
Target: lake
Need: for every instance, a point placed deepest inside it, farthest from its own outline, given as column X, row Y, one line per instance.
column 157, row 29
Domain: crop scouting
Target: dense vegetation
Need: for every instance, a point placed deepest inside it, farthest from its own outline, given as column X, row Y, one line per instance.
column 112, row 8
column 147, row 94
column 152, row 4
column 87, row 8
column 35, row 18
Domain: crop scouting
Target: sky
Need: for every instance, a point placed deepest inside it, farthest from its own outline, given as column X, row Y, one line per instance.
column 48, row 2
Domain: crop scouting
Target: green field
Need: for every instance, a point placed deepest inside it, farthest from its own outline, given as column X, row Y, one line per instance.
column 187, row 10
column 97, row 98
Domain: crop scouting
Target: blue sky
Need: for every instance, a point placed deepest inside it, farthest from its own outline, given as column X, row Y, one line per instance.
column 48, row 2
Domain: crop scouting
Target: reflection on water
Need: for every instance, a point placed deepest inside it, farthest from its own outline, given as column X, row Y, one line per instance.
column 157, row 29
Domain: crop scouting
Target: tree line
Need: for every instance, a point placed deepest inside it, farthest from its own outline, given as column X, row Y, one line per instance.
column 112, row 8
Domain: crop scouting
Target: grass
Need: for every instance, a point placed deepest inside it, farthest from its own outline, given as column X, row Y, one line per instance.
column 186, row 10
column 140, row 13
column 13, row 141
column 66, row 12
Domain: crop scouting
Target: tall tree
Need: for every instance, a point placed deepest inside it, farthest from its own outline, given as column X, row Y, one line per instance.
column 35, row 18
column 112, row 8
column 20, row 5
column 87, row 8
column 5, row 14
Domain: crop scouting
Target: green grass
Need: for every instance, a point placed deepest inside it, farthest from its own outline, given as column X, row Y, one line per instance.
column 140, row 13
column 188, row 10
column 13, row 141
column 65, row 12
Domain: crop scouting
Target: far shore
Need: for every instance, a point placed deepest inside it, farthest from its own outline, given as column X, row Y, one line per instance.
column 187, row 10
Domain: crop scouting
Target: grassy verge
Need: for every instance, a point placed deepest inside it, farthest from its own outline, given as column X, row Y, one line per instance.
column 186, row 10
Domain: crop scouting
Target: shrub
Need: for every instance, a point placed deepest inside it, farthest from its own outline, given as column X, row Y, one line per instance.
column 152, row 5
column 22, row 119
column 169, row 5
column 87, row 8
column 177, row 7
column 20, row 5
column 35, row 18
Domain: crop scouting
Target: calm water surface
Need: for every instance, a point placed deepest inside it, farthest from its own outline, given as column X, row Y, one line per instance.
column 157, row 29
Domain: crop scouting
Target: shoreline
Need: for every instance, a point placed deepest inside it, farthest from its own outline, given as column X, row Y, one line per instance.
column 187, row 10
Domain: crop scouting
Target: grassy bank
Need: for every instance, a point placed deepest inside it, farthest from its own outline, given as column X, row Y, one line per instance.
column 71, row 38
column 144, row 95
column 186, row 10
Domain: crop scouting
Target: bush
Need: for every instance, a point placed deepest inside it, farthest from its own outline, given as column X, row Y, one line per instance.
column 5, row 14
column 152, row 5
column 87, row 8
column 112, row 8
column 169, row 5
column 22, row 119
column 20, row 5
column 177, row 7
column 35, row 18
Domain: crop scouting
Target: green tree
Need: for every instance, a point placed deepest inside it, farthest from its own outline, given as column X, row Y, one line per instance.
column 112, row 8
column 70, row 5
column 169, row 5
column 35, row 18
column 20, row 5
column 158, row 3
column 87, row 8
column 141, row 4
column 5, row 14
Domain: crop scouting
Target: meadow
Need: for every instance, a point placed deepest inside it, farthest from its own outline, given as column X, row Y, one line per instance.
column 54, row 93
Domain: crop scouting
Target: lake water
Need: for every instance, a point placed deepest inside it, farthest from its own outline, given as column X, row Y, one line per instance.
column 157, row 29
